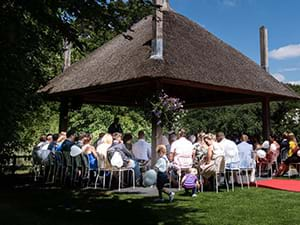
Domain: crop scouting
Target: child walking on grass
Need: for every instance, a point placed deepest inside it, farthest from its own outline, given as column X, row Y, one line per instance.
column 161, row 167
column 190, row 182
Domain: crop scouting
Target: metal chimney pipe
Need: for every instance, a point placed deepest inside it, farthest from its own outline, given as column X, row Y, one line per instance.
column 264, row 61
column 157, row 41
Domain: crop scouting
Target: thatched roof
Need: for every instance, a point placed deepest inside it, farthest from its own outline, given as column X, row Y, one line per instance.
column 196, row 65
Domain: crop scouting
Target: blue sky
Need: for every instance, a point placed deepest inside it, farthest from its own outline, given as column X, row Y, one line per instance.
column 237, row 23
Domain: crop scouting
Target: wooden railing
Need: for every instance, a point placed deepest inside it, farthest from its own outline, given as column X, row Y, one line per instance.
column 10, row 164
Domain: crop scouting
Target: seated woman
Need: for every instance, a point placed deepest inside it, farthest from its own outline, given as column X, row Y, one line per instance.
column 102, row 148
column 212, row 162
column 200, row 149
column 293, row 157
column 274, row 150
column 90, row 150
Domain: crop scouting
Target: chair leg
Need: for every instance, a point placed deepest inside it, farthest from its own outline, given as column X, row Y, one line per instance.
column 110, row 179
column 133, row 178
column 97, row 177
column 120, row 176
column 104, row 176
column 179, row 180
column 216, row 180
column 242, row 186
column 247, row 178
column 226, row 181
column 232, row 181
column 201, row 183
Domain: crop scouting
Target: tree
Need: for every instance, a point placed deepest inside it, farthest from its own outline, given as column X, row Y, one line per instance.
column 31, row 47
column 234, row 120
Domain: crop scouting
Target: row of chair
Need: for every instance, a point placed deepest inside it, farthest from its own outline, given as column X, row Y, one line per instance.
column 61, row 167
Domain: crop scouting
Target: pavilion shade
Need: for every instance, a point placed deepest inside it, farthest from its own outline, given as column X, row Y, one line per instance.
column 192, row 58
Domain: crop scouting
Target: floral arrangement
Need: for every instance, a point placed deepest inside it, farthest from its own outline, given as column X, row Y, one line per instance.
column 166, row 110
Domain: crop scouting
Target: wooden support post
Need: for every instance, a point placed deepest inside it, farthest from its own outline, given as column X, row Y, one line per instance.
column 156, row 136
column 63, row 116
column 266, row 118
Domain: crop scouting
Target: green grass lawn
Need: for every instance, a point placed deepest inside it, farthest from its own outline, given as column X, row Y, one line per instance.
column 41, row 206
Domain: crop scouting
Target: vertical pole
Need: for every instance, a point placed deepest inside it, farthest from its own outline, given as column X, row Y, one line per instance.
column 63, row 115
column 156, row 136
column 266, row 118
column 156, row 129
column 67, row 54
column 64, row 107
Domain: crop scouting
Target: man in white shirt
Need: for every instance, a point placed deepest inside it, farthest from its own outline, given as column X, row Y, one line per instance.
column 182, row 151
column 141, row 149
column 229, row 147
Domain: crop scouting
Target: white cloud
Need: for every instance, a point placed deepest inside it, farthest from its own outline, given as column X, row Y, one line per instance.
column 294, row 82
column 289, row 51
column 230, row 3
column 280, row 77
column 290, row 69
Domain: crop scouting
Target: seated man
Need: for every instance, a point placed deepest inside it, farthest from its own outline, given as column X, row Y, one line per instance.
column 230, row 148
column 142, row 149
column 127, row 157
column 182, row 152
column 246, row 156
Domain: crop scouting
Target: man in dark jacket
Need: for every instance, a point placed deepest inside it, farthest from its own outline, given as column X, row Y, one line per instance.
column 115, row 127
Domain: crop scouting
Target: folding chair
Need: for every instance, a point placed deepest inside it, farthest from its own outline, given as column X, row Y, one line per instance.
column 58, row 166
column 51, row 163
column 297, row 167
column 249, row 168
column 67, row 168
column 120, row 172
column 233, row 167
column 184, row 164
column 220, row 169
column 102, row 170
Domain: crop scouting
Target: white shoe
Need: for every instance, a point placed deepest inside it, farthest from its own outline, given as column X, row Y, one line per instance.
column 171, row 196
column 194, row 195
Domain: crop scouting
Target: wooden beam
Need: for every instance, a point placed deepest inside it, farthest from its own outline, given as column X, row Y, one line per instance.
column 156, row 136
column 63, row 115
column 266, row 118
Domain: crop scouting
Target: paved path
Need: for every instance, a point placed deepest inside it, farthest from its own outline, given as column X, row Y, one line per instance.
column 148, row 191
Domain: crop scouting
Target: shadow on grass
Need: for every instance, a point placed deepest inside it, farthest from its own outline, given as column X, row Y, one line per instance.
column 34, row 205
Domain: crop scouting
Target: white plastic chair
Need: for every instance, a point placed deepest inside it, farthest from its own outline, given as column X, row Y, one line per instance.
column 120, row 171
column 220, row 169
column 102, row 167
column 249, row 168
column 234, row 167
column 291, row 165
column 184, row 163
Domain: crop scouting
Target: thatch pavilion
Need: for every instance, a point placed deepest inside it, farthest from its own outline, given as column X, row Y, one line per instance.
column 167, row 51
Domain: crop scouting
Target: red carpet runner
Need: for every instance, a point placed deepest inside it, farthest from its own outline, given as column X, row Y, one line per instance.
column 286, row 185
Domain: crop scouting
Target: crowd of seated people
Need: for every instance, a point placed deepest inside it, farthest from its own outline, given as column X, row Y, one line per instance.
column 205, row 152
